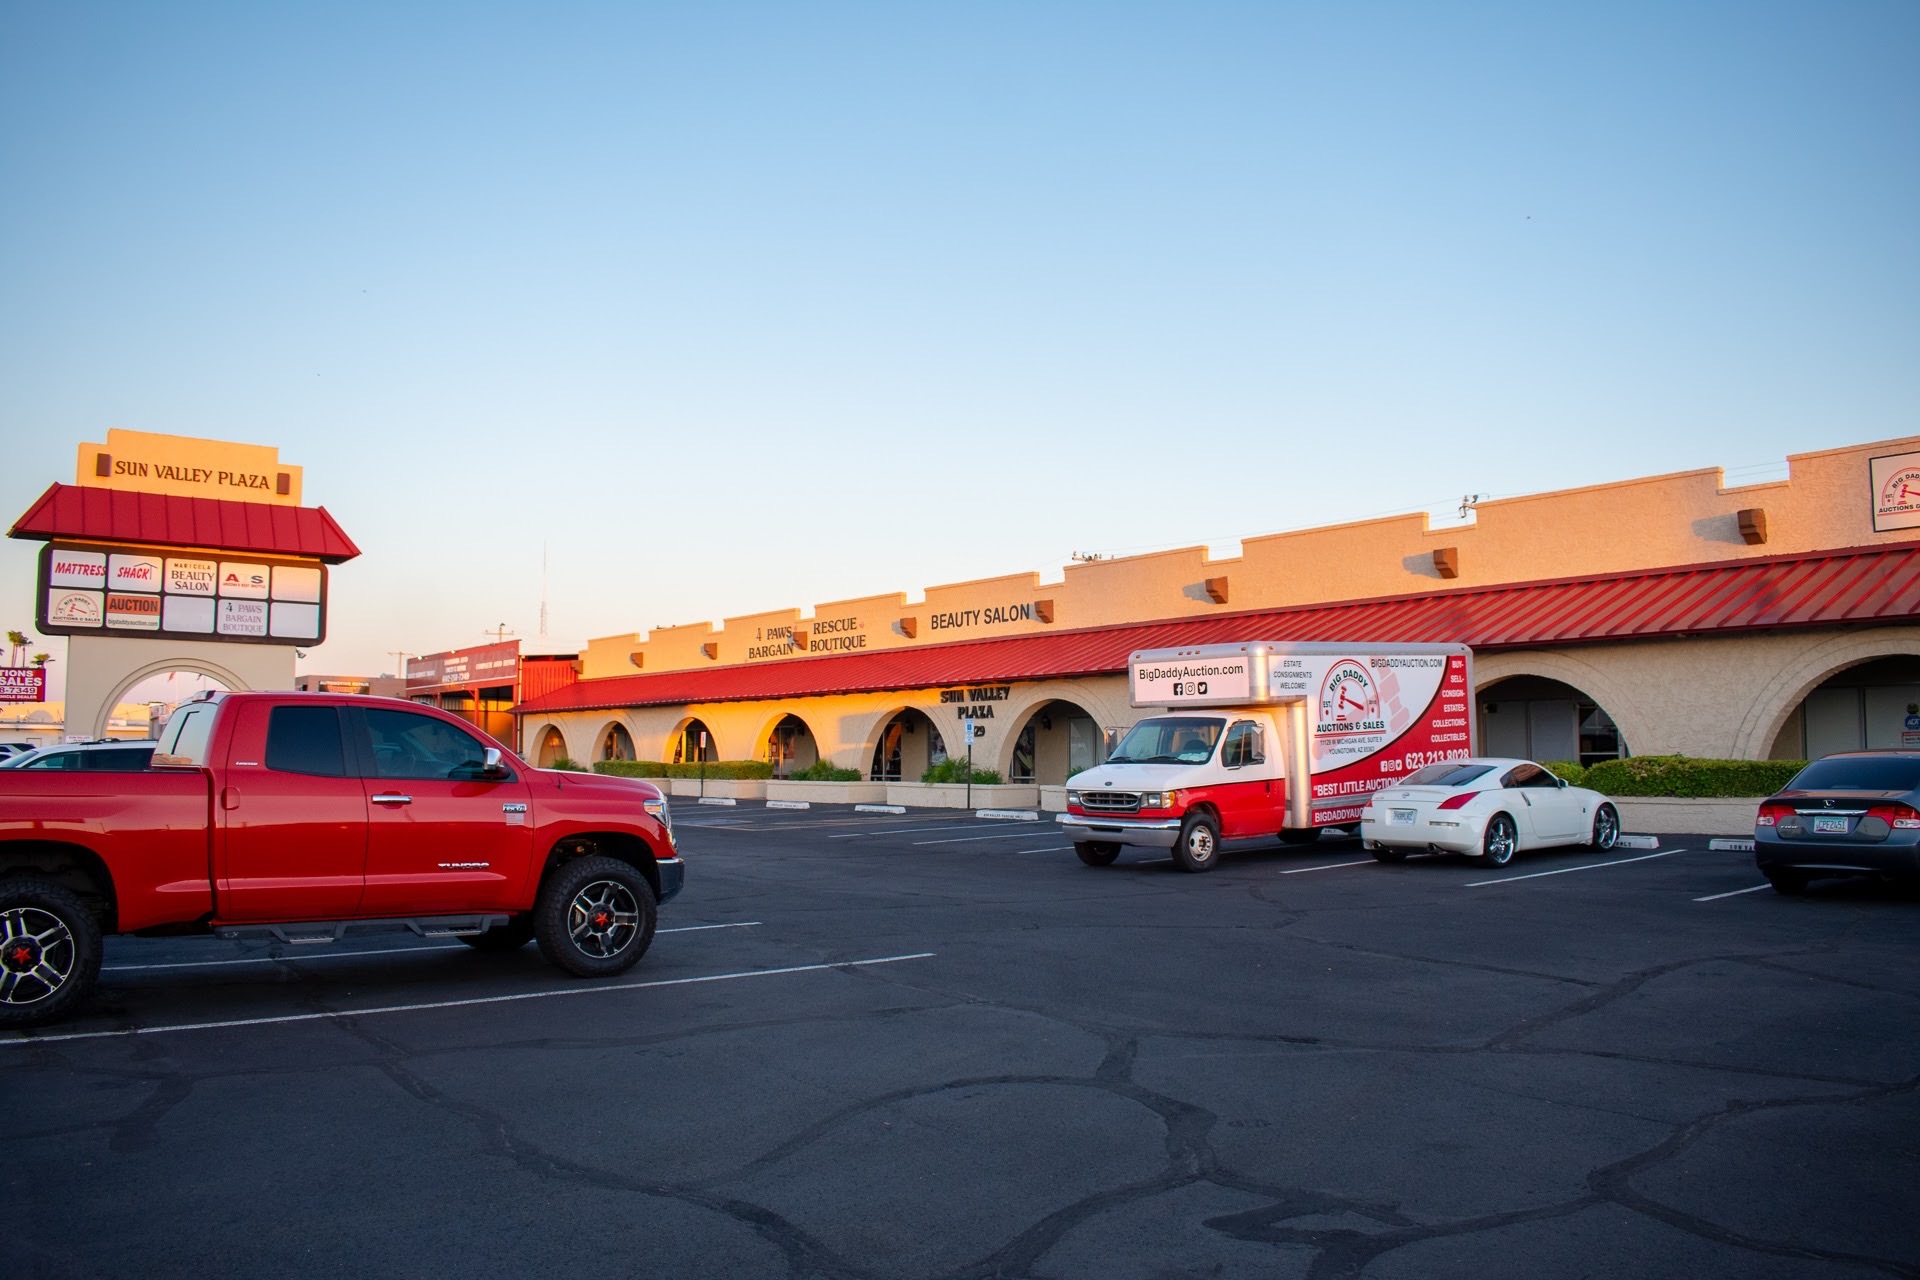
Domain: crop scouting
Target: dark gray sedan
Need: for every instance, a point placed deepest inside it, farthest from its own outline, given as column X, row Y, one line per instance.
column 1852, row 814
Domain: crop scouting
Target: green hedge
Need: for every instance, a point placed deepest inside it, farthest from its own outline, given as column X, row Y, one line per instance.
column 658, row 769
column 1573, row 772
column 825, row 771
column 1682, row 776
column 956, row 769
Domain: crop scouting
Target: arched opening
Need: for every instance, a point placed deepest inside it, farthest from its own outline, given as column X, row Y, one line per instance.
column 1535, row 718
column 552, row 748
column 909, row 745
column 143, row 708
column 1058, row 740
column 692, row 744
column 790, row 746
column 1870, row 705
column 615, row 743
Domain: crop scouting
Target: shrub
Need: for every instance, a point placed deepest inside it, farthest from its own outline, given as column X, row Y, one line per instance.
column 957, row 769
column 1568, row 769
column 660, row 769
column 825, row 771
column 1682, row 776
column 568, row 764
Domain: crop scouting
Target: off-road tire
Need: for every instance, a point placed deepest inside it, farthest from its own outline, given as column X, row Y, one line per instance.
column 1096, row 853
column 49, row 951
column 566, row 927
column 1198, row 848
column 511, row 936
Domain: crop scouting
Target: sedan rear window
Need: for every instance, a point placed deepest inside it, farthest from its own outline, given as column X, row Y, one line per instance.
column 1453, row 773
column 1859, row 773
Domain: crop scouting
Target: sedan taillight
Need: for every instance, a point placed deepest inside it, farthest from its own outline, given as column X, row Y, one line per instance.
column 1460, row 801
column 1901, row 817
column 1771, row 812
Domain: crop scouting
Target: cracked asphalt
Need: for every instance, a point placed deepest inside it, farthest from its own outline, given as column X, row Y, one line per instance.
column 870, row 1046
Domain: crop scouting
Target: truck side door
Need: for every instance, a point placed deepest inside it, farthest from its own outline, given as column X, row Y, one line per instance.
column 442, row 838
column 1249, row 801
column 293, row 817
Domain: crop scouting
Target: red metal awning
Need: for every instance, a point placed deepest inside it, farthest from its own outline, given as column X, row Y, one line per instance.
column 1872, row 584
column 164, row 520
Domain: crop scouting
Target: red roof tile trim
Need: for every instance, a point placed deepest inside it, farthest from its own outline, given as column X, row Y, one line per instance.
column 1871, row 584
column 159, row 519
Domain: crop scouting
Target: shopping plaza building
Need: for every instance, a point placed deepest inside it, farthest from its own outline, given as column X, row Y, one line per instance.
column 1671, row 614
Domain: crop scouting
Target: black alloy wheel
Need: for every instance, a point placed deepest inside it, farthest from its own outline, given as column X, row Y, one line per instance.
column 49, row 951
column 595, row 917
column 1096, row 853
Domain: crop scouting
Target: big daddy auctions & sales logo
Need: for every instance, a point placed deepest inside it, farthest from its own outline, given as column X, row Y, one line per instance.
column 1349, row 702
column 1900, row 494
column 75, row 608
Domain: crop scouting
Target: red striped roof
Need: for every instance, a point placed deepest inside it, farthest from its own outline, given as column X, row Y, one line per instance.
column 1871, row 584
column 164, row 520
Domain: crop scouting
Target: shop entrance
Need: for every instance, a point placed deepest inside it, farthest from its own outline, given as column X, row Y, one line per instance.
column 1534, row 718
column 790, row 747
column 1058, row 740
column 909, row 745
column 694, row 744
column 616, row 743
column 552, row 749
column 1871, row 706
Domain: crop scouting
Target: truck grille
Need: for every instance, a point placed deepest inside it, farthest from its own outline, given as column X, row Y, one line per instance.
column 1110, row 801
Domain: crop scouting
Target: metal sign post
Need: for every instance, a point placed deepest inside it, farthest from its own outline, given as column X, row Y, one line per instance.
column 703, row 764
column 971, row 729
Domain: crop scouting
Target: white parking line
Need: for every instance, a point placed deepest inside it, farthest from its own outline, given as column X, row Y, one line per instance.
column 354, row 955
column 1004, row 835
column 596, row 989
column 1715, row 897
column 1331, row 866
column 907, row 831
column 1591, row 866
column 1052, row 848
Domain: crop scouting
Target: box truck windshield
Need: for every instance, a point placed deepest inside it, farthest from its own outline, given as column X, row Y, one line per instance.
column 1170, row 740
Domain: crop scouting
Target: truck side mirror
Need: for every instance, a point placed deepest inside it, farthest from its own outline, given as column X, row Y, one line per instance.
column 493, row 767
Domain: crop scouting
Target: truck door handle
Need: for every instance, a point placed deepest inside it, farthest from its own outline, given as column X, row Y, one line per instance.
column 390, row 798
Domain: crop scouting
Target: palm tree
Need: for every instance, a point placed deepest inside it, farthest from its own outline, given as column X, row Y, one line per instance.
column 42, row 659
column 16, row 641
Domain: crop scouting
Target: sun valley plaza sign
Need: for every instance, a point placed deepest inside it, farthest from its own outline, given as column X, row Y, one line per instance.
column 135, row 591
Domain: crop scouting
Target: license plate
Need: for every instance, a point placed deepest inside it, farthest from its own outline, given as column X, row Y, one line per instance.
column 1400, row 817
column 1824, row 826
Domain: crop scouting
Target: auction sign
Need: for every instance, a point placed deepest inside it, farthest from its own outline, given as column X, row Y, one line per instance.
column 23, row 684
column 162, row 593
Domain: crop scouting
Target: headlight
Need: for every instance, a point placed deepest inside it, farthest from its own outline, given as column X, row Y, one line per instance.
column 659, row 811
column 1073, row 797
column 1158, row 799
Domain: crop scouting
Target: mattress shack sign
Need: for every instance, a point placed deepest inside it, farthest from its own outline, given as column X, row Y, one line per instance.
column 23, row 684
column 153, row 592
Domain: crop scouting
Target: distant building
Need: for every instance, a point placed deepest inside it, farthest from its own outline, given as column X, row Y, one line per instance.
column 379, row 686
column 484, row 683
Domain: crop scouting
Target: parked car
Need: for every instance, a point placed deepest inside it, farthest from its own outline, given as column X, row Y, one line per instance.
column 1487, row 808
column 89, row 757
column 306, row 818
column 1856, row 813
column 14, row 748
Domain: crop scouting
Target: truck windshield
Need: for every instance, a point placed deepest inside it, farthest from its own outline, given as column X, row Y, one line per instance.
column 1182, row 740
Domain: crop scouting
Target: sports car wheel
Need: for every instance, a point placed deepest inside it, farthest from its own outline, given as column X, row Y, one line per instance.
column 1606, row 827
column 1501, row 840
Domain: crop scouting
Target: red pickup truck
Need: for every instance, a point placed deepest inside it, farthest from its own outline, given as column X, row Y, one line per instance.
column 311, row 817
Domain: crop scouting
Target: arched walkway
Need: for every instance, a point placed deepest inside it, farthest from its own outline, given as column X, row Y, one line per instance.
column 1580, row 681
column 1058, row 739
column 904, row 746
column 550, row 747
column 221, row 675
column 692, row 742
column 1535, row 718
column 1784, row 715
column 615, row 743
column 789, row 746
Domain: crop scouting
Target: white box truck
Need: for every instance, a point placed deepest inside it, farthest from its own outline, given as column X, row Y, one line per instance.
column 1267, row 738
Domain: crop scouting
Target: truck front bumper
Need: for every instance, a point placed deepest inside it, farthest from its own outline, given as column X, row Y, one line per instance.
column 673, row 874
column 1152, row 833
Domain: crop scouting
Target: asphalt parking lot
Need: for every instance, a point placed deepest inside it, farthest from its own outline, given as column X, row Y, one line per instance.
column 932, row 1045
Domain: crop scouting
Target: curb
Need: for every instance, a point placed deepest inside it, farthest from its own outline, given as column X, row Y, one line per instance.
column 1730, row 846
column 1008, row 815
column 726, row 800
column 789, row 804
column 1637, row 842
column 879, row 808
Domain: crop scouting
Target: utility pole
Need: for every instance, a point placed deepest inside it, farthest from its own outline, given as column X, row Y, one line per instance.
column 499, row 633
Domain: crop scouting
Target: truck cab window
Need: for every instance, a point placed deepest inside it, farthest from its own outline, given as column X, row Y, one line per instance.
column 306, row 740
column 406, row 745
column 1243, row 745
column 185, row 737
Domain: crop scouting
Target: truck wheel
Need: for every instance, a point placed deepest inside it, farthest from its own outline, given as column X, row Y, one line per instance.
column 49, row 951
column 595, row 917
column 1097, row 853
column 1199, row 846
column 511, row 936
column 1386, row 853
column 1298, row 835
column 1501, row 840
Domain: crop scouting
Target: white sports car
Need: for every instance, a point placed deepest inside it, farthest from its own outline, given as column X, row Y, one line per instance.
column 1486, row 807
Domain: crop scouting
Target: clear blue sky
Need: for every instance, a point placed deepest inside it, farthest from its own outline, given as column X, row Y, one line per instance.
column 748, row 306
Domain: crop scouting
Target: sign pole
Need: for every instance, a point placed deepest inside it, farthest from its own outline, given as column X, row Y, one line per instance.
column 969, row 764
column 703, row 764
